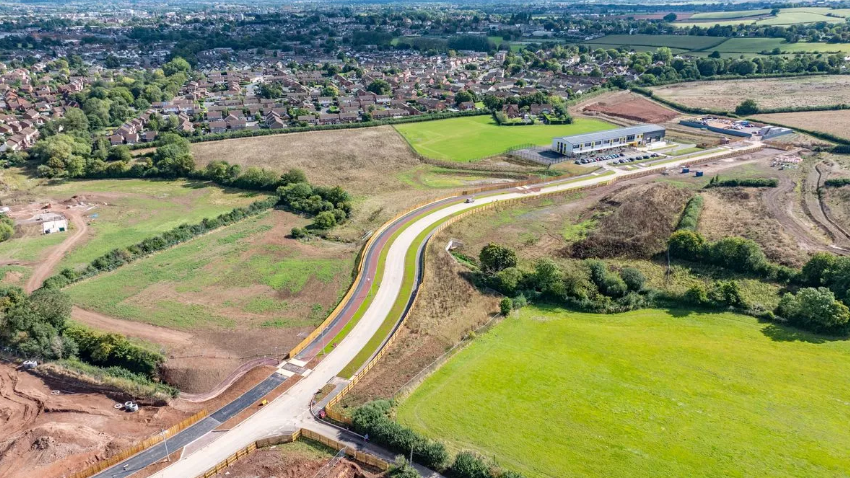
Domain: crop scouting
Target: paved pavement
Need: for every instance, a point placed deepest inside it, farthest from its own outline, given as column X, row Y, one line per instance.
column 292, row 408
column 157, row 452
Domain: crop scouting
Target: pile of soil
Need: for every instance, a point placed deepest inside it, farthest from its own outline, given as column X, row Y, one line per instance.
column 636, row 222
column 50, row 432
column 273, row 462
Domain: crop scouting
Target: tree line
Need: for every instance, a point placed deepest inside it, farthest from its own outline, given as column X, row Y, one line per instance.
column 36, row 327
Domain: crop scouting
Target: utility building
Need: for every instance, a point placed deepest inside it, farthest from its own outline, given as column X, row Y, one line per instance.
column 591, row 143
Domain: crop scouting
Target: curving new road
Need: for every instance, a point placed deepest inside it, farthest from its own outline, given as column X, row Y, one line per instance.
column 291, row 410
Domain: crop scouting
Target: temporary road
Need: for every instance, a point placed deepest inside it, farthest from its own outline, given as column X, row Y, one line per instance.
column 291, row 409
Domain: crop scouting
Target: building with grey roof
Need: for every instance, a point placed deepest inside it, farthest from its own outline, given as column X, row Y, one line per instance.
column 591, row 143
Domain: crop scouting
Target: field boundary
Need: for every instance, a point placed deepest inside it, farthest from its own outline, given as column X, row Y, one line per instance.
column 301, row 433
column 139, row 447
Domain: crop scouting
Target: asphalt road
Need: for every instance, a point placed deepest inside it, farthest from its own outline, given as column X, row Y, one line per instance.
column 291, row 409
column 157, row 452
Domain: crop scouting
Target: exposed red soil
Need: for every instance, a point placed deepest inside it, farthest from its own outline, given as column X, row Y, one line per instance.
column 635, row 109
column 48, row 431
column 280, row 464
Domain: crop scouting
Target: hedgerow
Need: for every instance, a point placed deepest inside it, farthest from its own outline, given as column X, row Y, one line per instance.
column 123, row 255
column 716, row 182
column 691, row 213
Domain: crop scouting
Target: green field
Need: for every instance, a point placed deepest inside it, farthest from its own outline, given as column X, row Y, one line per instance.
column 646, row 393
column 29, row 248
column 727, row 15
column 476, row 137
column 137, row 209
column 237, row 272
column 680, row 42
column 786, row 16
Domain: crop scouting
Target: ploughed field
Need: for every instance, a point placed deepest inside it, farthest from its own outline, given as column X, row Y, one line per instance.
column 647, row 393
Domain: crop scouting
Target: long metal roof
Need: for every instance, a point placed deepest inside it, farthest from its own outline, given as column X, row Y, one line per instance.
column 611, row 134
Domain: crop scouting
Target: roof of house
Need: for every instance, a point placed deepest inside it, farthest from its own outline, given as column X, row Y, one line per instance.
column 610, row 134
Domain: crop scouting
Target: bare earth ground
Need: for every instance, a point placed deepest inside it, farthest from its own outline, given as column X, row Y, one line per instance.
column 632, row 107
column 301, row 459
column 47, row 266
column 832, row 122
column 46, row 434
column 768, row 93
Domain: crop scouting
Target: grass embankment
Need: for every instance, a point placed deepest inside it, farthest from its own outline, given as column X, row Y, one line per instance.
column 476, row 137
column 645, row 393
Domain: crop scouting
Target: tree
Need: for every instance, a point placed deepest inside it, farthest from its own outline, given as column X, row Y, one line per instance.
column 176, row 65
column 7, row 228
column 670, row 17
column 119, row 153
column 325, row 220
column 293, row 176
column 112, row 61
column 379, row 87
column 505, row 306
column 463, row 96
column 686, row 245
column 816, row 269
column 494, row 258
column 714, row 54
column 747, row 107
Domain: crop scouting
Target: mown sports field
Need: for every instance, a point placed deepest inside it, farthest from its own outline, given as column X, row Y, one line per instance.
column 476, row 137
column 646, row 393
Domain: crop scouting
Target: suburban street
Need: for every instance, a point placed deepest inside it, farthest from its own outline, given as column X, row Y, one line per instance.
column 291, row 409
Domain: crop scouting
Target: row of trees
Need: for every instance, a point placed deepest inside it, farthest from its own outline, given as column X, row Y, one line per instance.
column 123, row 255
column 373, row 419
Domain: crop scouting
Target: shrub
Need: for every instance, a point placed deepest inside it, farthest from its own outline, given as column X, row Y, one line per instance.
column 716, row 182
column 372, row 419
column 505, row 306
column 815, row 308
column 747, row 107
column 633, row 278
column 686, row 244
column 468, row 465
column 838, row 182
column 298, row 233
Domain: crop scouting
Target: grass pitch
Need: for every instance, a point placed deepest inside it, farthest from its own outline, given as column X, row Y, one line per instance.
column 475, row 137
column 646, row 393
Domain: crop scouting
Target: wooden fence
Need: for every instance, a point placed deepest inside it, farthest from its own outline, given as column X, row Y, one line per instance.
column 336, row 415
column 139, row 447
column 352, row 453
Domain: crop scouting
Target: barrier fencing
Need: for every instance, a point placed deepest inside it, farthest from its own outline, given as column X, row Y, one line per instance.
column 139, row 447
column 341, row 418
column 356, row 455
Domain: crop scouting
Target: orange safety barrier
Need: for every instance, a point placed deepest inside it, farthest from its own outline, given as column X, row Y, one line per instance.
column 144, row 445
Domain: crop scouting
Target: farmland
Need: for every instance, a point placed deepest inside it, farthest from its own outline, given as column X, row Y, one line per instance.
column 631, row 107
column 647, row 393
column 768, row 93
column 470, row 138
column 702, row 46
column 786, row 16
column 832, row 122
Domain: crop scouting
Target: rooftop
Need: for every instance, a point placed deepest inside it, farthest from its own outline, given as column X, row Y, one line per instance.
column 611, row 133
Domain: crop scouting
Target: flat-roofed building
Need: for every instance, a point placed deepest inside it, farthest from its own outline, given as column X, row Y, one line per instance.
column 591, row 143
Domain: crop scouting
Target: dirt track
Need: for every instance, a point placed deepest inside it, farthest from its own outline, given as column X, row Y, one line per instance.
column 817, row 212
column 779, row 203
column 151, row 333
column 43, row 270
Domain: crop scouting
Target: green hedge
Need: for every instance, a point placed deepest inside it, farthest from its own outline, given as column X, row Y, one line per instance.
column 716, row 182
column 114, row 350
column 691, row 213
column 120, row 256
column 837, row 183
